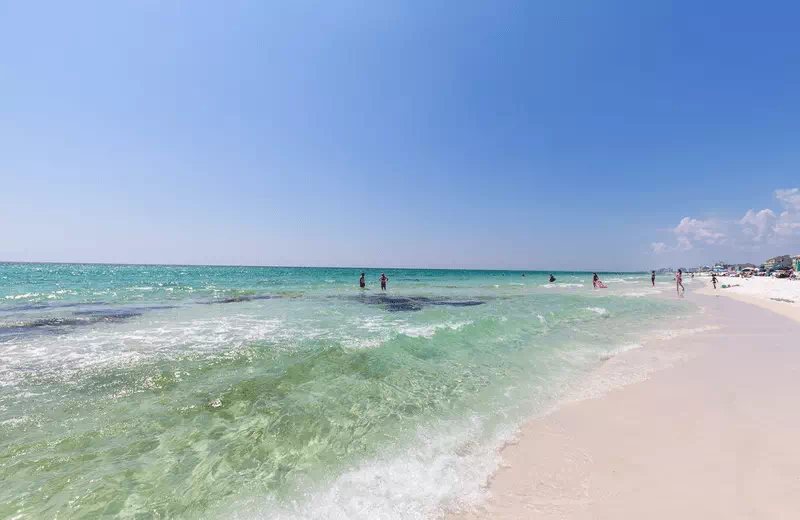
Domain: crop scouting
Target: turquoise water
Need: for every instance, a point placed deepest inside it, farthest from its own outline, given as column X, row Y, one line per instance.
column 200, row 392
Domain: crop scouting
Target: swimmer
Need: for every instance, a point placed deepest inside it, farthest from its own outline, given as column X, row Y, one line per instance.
column 361, row 282
column 679, row 283
column 595, row 279
column 383, row 279
column 552, row 278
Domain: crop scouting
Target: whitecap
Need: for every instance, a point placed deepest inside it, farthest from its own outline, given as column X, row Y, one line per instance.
column 14, row 421
column 363, row 343
column 621, row 280
column 21, row 296
column 441, row 471
column 428, row 331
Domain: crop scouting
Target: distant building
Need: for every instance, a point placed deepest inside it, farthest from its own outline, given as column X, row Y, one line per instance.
column 778, row 261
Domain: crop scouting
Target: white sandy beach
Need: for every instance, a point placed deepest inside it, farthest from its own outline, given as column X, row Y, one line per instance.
column 778, row 295
column 714, row 436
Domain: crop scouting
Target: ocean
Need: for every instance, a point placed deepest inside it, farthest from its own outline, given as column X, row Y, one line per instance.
column 267, row 392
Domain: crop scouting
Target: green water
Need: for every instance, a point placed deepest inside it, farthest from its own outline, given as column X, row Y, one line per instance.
column 168, row 391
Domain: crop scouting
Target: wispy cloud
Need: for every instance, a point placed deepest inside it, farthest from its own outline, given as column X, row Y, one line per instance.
column 658, row 247
column 753, row 229
column 790, row 199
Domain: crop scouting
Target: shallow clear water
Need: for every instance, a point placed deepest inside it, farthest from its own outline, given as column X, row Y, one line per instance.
column 289, row 392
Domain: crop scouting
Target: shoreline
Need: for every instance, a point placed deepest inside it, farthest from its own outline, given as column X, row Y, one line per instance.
column 704, row 434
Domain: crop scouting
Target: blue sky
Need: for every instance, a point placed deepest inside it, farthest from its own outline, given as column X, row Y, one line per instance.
column 444, row 134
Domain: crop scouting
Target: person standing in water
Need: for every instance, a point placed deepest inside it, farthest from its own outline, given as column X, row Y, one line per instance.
column 361, row 282
column 595, row 279
column 653, row 278
column 679, row 283
column 383, row 279
column 552, row 278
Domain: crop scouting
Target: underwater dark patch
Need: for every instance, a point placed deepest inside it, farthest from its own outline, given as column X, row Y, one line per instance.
column 239, row 299
column 62, row 324
column 413, row 303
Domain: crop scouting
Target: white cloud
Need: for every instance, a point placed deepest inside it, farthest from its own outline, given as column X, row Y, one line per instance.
column 766, row 226
column 684, row 243
column 754, row 230
column 759, row 225
column 790, row 199
column 788, row 224
column 708, row 231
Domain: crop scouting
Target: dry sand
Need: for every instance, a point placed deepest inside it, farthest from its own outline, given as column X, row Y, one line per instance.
column 778, row 295
column 717, row 436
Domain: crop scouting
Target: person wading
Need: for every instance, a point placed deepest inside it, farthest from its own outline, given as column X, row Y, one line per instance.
column 679, row 283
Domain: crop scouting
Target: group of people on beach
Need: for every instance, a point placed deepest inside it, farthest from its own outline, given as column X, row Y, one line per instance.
column 596, row 283
column 383, row 279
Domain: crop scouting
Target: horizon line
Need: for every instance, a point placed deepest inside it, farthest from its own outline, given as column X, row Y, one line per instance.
column 264, row 266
